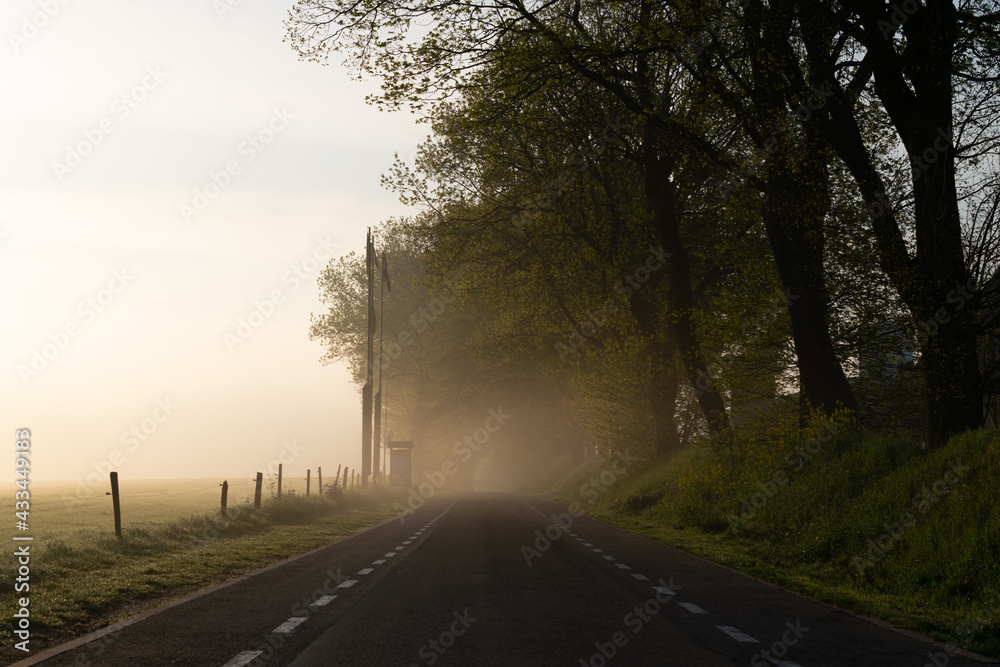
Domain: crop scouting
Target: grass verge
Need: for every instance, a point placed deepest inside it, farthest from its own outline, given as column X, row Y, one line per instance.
column 870, row 523
column 91, row 580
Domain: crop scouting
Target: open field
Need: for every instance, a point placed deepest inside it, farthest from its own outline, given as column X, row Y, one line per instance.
column 174, row 541
column 62, row 509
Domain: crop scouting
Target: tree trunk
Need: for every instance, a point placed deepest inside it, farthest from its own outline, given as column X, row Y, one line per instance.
column 797, row 200
column 662, row 197
column 666, row 385
column 917, row 95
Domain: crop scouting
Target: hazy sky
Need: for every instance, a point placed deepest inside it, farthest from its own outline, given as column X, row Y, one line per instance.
column 167, row 172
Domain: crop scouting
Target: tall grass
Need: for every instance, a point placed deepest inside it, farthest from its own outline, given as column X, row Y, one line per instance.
column 872, row 522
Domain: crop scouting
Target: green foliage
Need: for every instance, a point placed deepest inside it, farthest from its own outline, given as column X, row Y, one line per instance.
column 838, row 528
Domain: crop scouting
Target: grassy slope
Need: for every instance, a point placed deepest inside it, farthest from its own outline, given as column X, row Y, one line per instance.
column 90, row 579
column 870, row 523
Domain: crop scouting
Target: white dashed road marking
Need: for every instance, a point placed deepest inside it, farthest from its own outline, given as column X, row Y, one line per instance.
column 242, row 659
column 623, row 566
column 641, row 577
column 693, row 608
column 736, row 634
column 378, row 562
column 323, row 601
column 348, row 583
column 367, row 570
column 289, row 625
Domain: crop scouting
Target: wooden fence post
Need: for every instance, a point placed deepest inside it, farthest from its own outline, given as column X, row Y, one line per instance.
column 346, row 471
column 279, row 480
column 319, row 474
column 256, row 493
column 116, row 503
column 336, row 480
column 308, row 481
column 225, row 493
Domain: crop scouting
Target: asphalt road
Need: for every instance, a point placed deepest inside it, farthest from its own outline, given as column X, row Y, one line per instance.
column 492, row 579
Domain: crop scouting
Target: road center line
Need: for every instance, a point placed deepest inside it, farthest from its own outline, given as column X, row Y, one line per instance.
column 736, row 634
column 693, row 608
column 289, row 625
column 367, row 570
column 323, row 601
column 348, row 583
column 242, row 659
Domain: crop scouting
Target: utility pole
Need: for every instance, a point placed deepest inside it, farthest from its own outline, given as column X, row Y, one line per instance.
column 366, row 394
column 384, row 285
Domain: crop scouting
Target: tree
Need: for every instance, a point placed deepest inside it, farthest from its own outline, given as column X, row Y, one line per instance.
column 629, row 50
column 910, row 58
